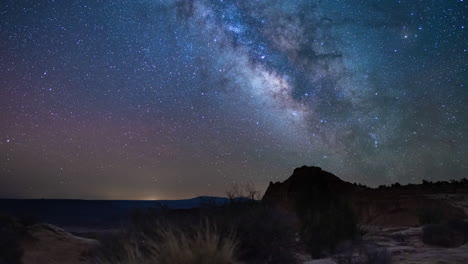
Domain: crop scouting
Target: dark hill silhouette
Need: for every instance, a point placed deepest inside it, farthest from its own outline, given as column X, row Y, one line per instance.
column 302, row 183
column 387, row 205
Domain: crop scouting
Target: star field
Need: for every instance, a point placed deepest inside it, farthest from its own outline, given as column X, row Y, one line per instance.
column 172, row 99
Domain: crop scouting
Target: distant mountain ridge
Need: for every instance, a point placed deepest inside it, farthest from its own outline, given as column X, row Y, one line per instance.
column 95, row 213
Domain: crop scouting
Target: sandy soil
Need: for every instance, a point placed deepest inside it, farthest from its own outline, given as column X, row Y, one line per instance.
column 51, row 245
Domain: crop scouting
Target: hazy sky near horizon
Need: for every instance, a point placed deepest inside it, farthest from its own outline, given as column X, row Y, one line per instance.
column 151, row 99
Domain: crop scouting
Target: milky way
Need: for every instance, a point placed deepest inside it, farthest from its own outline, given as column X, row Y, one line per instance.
column 172, row 99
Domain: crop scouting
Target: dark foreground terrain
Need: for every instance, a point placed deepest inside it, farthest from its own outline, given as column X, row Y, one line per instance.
column 312, row 217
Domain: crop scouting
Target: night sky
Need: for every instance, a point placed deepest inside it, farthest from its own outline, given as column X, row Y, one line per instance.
column 173, row 99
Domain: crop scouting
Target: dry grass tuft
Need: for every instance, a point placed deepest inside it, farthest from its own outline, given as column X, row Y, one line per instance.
column 204, row 246
column 199, row 245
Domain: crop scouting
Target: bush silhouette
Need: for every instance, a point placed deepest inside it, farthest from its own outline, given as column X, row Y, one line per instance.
column 326, row 219
column 198, row 244
column 11, row 232
column 261, row 234
column 430, row 215
column 453, row 233
column 323, row 228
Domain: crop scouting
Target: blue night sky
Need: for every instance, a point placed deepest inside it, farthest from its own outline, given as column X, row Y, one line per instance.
column 172, row 99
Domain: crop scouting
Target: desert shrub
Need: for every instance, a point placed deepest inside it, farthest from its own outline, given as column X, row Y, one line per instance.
column 262, row 233
column 200, row 244
column 118, row 248
column 265, row 235
column 326, row 220
column 11, row 232
column 204, row 246
column 442, row 235
column 438, row 235
column 430, row 215
column 378, row 256
column 461, row 227
column 241, row 192
column 452, row 233
column 323, row 229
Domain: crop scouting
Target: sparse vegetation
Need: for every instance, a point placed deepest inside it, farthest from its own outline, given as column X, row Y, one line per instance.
column 326, row 220
column 244, row 230
column 242, row 192
column 324, row 228
column 199, row 244
column 11, row 232
column 453, row 233
column 430, row 215
column 441, row 235
column 439, row 186
column 204, row 245
column 378, row 256
column 265, row 235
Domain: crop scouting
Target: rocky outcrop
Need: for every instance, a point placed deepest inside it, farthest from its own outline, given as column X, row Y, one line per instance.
column 382, row 207
column 405, row 245
column 396, row 245
column 302, row 182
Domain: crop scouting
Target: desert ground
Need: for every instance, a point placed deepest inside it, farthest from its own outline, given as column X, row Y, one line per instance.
column 412, row 224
